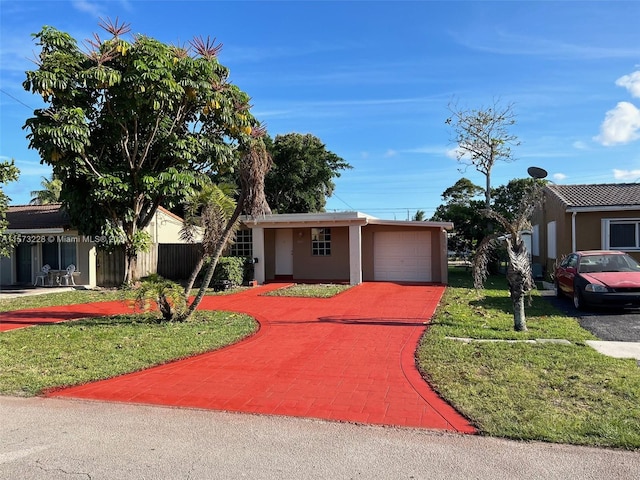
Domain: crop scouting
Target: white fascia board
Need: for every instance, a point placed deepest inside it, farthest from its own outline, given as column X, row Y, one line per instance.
column 34, row 231
column 603, row 209
column 292, row 220
column 411, row 223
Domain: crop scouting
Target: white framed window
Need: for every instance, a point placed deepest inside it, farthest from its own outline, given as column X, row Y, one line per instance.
column 243, row 245
column 321, row 242
column 621, row 234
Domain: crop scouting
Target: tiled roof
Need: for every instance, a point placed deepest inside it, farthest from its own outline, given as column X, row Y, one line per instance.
column 26, row 217
column 604, row 195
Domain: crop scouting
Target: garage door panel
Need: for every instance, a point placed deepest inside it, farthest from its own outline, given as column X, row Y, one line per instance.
column 402, row 256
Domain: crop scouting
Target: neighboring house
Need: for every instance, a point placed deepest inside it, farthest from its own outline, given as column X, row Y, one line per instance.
column 46, row 237
column 586, row 217
column 348, row 247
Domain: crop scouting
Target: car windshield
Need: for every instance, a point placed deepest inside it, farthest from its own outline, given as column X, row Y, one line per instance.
column 608, row 263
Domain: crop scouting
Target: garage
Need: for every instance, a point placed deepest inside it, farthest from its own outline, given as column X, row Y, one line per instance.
column 402, row 256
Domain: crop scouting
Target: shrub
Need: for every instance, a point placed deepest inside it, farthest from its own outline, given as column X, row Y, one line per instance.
column 229, row 268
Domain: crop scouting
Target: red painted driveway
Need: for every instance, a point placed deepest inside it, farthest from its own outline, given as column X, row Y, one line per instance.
column 348, row 358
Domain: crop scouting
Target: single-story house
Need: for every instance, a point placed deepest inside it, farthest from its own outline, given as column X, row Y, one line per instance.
column 586, row 217
column 46, row 237
column 347, row 247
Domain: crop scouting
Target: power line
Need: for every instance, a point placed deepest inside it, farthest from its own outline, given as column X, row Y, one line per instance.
column 16, row 99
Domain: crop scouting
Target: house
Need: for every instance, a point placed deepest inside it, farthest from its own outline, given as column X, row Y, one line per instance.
column 346, row 247
column 46, row 237
column 586, row 217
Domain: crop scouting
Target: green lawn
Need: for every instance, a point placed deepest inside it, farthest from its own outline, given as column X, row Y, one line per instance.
column 549, row 392
column 324, row 290
column 46, row 356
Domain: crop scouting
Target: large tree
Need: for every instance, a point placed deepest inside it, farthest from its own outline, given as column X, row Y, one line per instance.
column 462, row 207
column 483, row 138
column 132, row 124
column 8, row 173
column 302, row 175
column 508, row 198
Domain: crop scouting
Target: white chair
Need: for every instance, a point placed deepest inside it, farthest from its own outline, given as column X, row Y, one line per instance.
column 43, row 276
column 69, row 275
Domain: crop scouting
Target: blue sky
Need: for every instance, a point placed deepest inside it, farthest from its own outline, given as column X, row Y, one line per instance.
column 373, row 81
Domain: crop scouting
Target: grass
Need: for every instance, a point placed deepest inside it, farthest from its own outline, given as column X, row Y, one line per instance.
column 62, row 298
column 77, row 296
column 47, row 356
column 556, row 393
column 321, row 290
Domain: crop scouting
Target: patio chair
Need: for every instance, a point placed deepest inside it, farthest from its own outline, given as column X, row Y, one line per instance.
column 42, row 276
column 69, row 275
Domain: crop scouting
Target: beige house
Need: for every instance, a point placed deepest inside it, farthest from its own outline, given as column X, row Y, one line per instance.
column 586, row 217
column 46, row 237
column 347, row 247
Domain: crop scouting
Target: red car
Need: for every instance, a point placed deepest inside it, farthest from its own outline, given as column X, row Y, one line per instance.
column 599, row 278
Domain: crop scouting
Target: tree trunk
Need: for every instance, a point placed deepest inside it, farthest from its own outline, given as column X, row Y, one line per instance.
column 520, row 280
column 194, row 275
column 519, row 318
column 131, row 267
column 228, row 231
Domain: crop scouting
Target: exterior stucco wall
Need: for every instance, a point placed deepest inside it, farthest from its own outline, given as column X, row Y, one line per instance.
column 334, row 267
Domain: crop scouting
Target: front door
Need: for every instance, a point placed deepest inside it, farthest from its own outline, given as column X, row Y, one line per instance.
column 284, row 252
column 24, row 273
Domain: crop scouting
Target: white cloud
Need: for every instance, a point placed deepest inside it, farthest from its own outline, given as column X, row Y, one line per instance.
column 453, row 153
column 390, row 153
column 621, row 125
column 558, row 177
column 580, row 145
column 631, row 82
column 92, row 8
column 626, row 175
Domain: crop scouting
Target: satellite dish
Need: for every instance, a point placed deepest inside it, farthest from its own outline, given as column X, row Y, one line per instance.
column 537, row 172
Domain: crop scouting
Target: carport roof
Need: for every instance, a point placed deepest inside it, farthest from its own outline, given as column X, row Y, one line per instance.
column 289, row 220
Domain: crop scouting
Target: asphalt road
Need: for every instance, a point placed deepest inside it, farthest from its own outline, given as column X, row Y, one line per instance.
column 609, row 324
column 49, row 439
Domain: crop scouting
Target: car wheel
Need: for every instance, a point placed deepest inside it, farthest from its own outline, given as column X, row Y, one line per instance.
column 578, row 299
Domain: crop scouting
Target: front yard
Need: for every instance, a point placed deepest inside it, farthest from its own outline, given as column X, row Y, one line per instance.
column 528, row 391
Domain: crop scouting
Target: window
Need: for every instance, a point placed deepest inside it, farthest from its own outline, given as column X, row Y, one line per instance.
column 67, row 254
column 623, row 235
column 321, row 241
column 59, row 254
column 243, row 246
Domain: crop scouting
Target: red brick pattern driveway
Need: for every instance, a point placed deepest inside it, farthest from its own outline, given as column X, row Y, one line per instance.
column 348, row 358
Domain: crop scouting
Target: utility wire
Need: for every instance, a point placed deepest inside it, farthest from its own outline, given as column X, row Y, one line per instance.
column 16, row 99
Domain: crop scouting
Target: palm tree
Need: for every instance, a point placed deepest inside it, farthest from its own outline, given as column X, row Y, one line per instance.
column 206, row 214
column 50, row 192
column 255, row 162
column 519, row 273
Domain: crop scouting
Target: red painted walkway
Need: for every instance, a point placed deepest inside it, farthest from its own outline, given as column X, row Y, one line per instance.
column 348, row 358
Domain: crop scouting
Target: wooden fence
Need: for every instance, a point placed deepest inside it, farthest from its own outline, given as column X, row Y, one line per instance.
column 174, row 261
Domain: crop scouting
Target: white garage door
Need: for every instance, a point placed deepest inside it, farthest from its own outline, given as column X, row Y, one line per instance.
column 402, row 256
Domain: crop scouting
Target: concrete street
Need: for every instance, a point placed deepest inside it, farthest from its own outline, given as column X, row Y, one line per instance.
column 48, row 439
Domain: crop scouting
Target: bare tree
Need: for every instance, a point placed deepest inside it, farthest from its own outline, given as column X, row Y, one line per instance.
column 483, row 138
